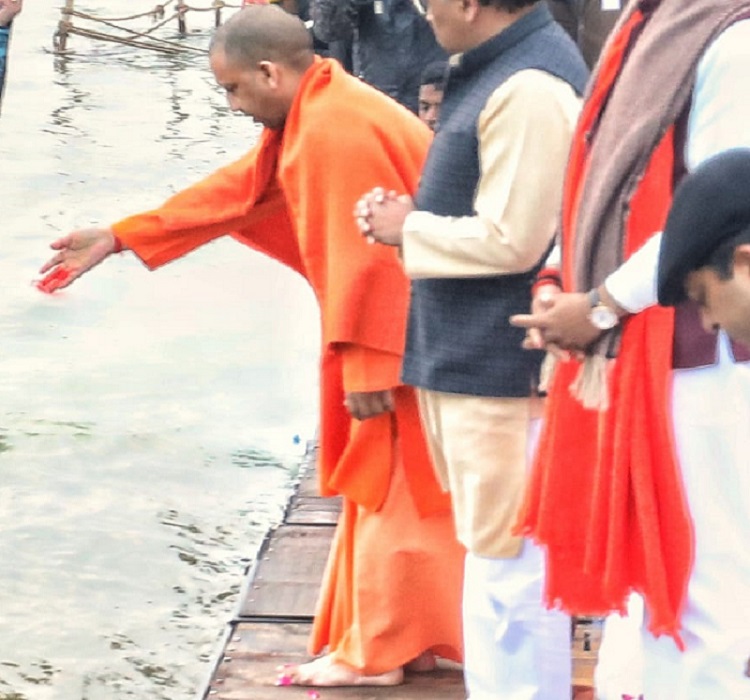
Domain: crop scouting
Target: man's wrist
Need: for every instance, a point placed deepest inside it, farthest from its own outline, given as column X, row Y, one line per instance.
column 608, row 300
column 604, row 313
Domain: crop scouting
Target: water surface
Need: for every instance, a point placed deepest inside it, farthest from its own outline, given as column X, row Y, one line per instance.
column 148, row 420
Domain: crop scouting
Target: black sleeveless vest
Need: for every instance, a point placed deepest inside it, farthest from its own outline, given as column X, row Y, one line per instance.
column 459, row 339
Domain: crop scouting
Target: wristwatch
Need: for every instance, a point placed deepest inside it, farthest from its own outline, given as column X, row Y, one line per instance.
column 601, row 316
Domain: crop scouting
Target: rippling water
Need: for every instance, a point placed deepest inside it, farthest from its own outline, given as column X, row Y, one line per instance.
column 148, row 421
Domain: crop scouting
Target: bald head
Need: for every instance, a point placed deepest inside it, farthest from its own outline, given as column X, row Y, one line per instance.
column 264, row 33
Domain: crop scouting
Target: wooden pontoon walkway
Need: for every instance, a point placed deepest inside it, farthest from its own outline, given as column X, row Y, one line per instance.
column 273, row 620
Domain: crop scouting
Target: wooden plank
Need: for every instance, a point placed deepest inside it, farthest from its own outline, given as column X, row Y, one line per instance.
column 308, row 484
column 288, row 572
column 587, row 637
column 306, row 506
column 254, row 652
column 313, row 511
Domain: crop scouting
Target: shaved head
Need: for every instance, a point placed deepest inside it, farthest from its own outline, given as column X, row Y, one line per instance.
column 264, row 33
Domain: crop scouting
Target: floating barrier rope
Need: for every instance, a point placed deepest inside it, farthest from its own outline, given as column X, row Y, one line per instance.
column 143, row 39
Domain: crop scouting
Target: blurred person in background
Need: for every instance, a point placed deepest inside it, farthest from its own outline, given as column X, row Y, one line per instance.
column 431, row 92
column 589, row 22
column 391, row 42
column 8, row 10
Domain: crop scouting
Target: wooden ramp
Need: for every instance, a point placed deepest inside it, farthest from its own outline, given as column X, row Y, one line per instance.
column 273, row 620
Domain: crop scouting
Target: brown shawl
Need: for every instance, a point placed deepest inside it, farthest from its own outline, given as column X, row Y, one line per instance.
column 653, row 89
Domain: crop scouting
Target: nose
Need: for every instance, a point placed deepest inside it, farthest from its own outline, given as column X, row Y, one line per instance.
column 232, row 101
column 707, row 321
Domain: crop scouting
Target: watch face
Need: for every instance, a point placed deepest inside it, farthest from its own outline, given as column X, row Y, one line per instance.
column 603, row 318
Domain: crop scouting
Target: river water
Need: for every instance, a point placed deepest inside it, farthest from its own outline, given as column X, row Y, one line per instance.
column 150, row 423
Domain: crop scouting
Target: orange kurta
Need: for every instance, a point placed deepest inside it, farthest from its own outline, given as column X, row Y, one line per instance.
column 292, row 198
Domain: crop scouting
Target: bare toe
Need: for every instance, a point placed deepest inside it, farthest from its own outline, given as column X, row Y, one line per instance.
column 325, row 672
column 424, row 663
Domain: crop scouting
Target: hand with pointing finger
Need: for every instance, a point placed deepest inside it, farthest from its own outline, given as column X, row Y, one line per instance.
column 563, row 323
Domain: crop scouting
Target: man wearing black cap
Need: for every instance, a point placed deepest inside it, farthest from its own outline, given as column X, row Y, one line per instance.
column 705, row 250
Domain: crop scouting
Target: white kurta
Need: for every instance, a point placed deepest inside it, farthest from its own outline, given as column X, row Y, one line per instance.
column 711, row 417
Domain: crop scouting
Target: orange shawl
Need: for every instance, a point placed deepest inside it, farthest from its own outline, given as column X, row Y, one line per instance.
column 292, row 198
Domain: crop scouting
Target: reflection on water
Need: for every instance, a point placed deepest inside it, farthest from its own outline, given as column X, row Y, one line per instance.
column 149, row 422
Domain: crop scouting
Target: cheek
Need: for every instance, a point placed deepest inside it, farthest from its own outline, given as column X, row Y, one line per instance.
column 722, row 306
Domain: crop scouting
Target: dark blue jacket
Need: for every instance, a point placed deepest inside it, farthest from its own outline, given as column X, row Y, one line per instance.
column 459, row 339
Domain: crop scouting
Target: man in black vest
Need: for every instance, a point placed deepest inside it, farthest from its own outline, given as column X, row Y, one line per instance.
column 472, row 242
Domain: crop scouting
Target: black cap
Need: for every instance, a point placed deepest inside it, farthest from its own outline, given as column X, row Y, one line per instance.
column 710, row 206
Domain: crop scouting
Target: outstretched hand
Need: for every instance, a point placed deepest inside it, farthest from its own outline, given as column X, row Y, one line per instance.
column 77, row 253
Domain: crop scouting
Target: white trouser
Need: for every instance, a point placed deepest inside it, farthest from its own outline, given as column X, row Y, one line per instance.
column 514, row 648
column 711, row 409
column 619, row 670
column 711, row 413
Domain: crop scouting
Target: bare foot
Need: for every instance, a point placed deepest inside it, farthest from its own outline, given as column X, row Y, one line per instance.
column 324, row 672
column 424, row 663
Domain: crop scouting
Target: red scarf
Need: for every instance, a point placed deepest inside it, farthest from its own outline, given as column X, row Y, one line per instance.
column 605, row 495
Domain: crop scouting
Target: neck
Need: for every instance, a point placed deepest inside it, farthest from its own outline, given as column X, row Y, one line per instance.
column 493, row 21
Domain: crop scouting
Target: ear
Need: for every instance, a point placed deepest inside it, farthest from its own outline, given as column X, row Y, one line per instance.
column 742, row 259
column 270, row 73
column 470, row 9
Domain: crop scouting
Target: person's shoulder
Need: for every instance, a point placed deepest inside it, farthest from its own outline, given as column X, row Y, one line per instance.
column 355, row 110
column 349, row 96
column 532, row 96
column 534, row 84
column 732, row 43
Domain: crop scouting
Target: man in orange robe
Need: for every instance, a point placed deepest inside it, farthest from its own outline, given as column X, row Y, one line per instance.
column 391, row 594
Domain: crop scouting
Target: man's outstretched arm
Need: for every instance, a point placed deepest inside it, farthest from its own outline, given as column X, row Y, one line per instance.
column 231, row 200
